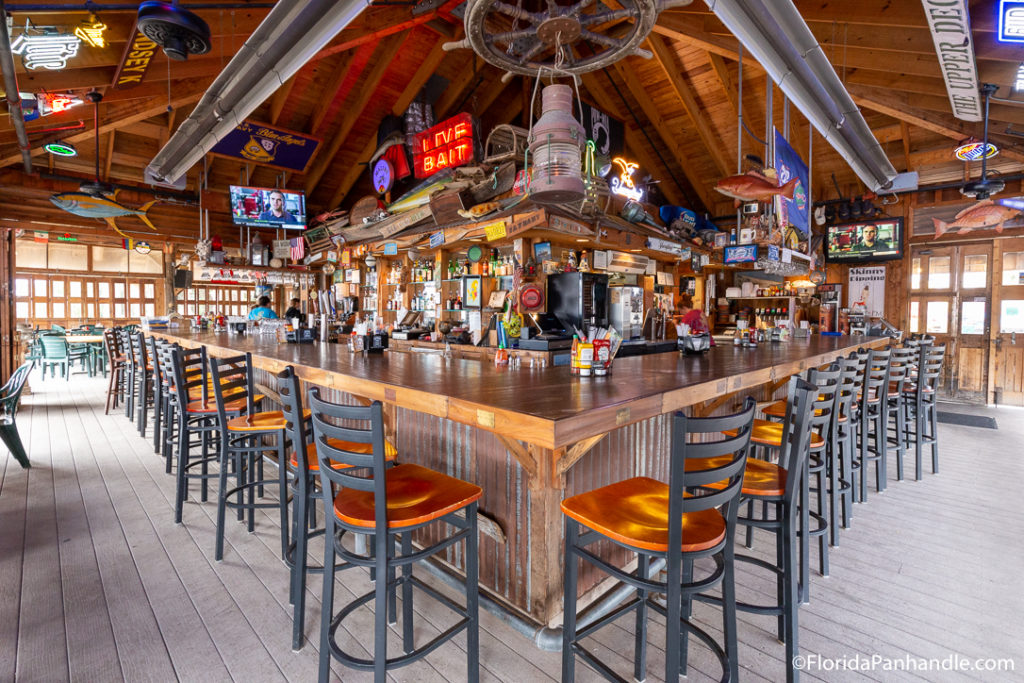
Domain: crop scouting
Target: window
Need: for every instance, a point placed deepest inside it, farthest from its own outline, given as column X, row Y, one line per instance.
column 915, row 273
column 118, row 290
column 90, row 287
column 75, row 289
column 64, row 256
column 149, row 290
column 104, row 310
column 915, row 313
column 57, row 288
column 75, row 310
column 21, row 310
column 109, row 260
column 21, row 286
column 972, row 317
column 30, row 254
column 40, row 310
column 1011, row 317
column 104, row 290
column 134, row 290
column 975, row 271
column 134, row 309
column 39, row 286
column 58, row 309
column 153, row 262
column 937, row 317
column 119, row 310
column 938, row 272
column 1013, row 268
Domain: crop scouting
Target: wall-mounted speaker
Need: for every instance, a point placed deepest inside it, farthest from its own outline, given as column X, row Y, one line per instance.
column 182, row 278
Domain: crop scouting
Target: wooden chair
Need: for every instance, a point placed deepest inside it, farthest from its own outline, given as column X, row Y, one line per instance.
column 116, row 361
column 9, row 395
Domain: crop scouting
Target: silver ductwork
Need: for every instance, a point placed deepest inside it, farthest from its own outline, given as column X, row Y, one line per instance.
column 780, row 40
column 288, row 37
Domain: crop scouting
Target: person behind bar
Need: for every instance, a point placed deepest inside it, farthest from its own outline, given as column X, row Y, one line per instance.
column 694, row 317
column 262, row 309
column 293, row 310
column 277, row 212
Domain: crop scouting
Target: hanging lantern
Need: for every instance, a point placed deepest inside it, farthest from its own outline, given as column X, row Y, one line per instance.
column 556, row 146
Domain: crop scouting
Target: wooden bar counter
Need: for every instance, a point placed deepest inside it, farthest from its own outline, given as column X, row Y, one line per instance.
column 467, row 417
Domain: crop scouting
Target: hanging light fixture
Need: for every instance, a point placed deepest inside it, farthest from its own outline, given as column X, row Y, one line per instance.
column 556, row 150
column 61, row 149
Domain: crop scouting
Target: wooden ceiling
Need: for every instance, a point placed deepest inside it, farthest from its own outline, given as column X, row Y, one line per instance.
column 679, row 109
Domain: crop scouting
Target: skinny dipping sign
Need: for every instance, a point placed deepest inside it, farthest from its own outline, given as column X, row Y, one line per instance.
column 950, row 25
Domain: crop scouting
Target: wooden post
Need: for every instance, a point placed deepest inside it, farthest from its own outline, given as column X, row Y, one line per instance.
column 545, row 546
column 8, row 351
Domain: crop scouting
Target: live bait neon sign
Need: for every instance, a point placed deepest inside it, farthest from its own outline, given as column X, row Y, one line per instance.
column 446, row 145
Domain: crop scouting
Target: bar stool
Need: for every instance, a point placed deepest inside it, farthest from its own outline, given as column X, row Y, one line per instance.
column 902, row 366
column 157, row 388
column 385, row 502
column 116, row 360
column 142, row 379
column 922, row 418
column 873, row 411
column 781, row 487
column 242, row 432
column 655, row 520
column 304, row 468
column 851, row 383
column 195, row 423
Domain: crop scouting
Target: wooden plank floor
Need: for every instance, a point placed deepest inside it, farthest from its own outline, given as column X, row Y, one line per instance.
column 98, row 583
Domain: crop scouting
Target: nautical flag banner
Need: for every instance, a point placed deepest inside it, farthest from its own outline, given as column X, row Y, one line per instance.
column 128, row 243
column 789, row 165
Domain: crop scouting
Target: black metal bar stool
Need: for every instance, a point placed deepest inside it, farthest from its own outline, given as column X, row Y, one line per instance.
column 142, row 380
column 873, row 413
column 851, row 383
column 388, row 502
column 781, row 486
column 902, row 367
column 658, row 520
column 304, row 468
column 922, row 417
column 195, row 424
column 242, row 446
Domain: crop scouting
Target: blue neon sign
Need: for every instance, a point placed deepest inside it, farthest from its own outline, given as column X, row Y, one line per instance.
column 1011, row 21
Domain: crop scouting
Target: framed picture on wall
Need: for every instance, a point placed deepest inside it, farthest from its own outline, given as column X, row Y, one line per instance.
column 542, row 252
column 472, row 291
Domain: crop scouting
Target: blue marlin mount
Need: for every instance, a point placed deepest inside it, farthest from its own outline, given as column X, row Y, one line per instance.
column 99, row 206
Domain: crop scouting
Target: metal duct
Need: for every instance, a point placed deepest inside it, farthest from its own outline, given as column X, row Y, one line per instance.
column 288, row 37
column 13, row 95
column 779, row 38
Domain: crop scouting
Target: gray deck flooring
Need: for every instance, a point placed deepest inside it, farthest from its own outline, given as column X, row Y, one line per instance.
column 97, row 582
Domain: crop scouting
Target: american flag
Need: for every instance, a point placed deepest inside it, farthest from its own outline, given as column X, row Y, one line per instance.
column 298, row 245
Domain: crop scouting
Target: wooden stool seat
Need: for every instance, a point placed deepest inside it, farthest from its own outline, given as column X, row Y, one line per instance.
column 778, row 409
column 390, row 452
column 765, row 433
column 415, row 495
column 635, row 512
column 760, row 477
column 265, row 421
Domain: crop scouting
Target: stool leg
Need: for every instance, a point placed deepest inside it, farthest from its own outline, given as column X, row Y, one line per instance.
column 181, row 490
column 640, row 632
column 282, row 472
column 729, row 610
column 472, row 596
column 222, row 498
column 846, row 448
column 380, row 615
column 791, row 596
column 933, row 420
column 327, row 601
column 298, row 582
column 822, row 510
column 805, row 536
column 685, row 611
column 834, row 489
column 673, row 614
column 569, row 602
column 407, row 641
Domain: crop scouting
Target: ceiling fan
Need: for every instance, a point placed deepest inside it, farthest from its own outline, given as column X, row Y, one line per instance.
column 984, row 187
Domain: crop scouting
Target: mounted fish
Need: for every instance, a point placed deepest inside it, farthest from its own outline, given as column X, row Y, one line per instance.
column 753, row 187
column 984, row 214
column 98, row 206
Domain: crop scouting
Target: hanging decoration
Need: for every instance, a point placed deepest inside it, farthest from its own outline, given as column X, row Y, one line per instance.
column 972, row 150
column 449, row 144
column 623, row 184
column 91, row 31
column 138, row 54
column 49, row 50
column 61, row 149
column 556, row 148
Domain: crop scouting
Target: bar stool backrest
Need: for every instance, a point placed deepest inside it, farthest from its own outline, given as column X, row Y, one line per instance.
column 186, row 370
column 233, row 381
column 137, row 343
column 112, row 346
column 825, row 417
column 876, row 377
column 903, row 364
column 852, row 383
column 796, row 434
column 365, row 471
column 689, row 442
column 929, row 370
column 299, row 429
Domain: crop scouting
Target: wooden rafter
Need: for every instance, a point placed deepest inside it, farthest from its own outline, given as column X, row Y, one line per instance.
column 905, row 130
column 453, row 94
column 721, row 70
column 109, row 158
column 331, row 90
column 280, row 98
column 412, row 88
column 665, row 57
column 354, row 109
column 664, row 130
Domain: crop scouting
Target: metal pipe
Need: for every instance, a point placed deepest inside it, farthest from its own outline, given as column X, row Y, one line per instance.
column 125, row 7
column 13, row 94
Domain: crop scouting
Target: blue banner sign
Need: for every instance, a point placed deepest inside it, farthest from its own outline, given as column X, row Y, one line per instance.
column 789, row 165
column 263, row 144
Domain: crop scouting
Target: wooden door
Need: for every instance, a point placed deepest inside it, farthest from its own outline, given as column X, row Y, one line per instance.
column 1006, row 366
column 950, row 291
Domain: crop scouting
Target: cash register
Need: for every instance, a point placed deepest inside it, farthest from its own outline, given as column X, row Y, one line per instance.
column 552, row 336
column 409, row 327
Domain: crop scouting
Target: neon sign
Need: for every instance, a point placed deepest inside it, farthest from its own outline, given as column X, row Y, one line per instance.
column 47, row 51
column 91, row 32
column 622, row 184
column 1011, row 21
column 446, row 145
column 51, row 103
column 972, row 151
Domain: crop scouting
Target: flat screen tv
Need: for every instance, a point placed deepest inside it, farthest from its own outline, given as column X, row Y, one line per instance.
column 267, row 207
column 880, row 239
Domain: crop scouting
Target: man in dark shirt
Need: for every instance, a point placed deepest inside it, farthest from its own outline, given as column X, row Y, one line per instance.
column 277, row 212
column 869, row 240
column 293, row 310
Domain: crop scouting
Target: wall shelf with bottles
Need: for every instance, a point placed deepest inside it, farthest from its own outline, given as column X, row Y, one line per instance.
column 758, row 298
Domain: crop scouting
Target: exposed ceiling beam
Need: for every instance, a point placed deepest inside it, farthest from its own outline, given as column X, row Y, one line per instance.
column 109, row 158
column 280, row 98
column 452, row 95
column 905, row 131
column 721, row 71
column 666, row 58
column 664, row 130
column 332, row 88
column 353, row 110
column 427, row 67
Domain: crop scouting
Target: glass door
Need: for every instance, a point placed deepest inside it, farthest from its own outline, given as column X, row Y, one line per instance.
column 1007, row 338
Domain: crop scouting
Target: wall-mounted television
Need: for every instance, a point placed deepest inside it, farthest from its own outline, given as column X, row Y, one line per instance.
column 268, row 207
column 880, row 239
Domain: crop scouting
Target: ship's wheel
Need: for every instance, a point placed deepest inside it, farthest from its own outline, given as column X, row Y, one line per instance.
column 534, row 35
